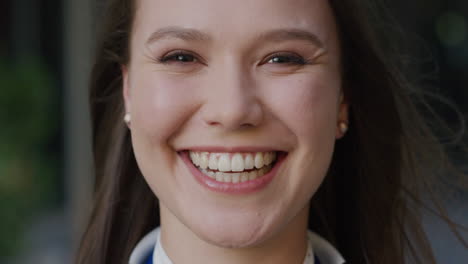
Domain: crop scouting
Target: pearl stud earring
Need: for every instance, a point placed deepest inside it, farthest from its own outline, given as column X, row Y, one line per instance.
column 127, row 118
column 343, row 126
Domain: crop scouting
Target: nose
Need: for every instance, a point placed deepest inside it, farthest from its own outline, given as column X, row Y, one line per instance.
column 231, row 100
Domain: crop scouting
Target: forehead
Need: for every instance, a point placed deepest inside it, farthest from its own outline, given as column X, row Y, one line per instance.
column 230, row 20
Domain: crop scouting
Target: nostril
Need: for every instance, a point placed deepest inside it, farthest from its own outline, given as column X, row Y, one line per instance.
column 247, row 125
column 242, row 126
column 213, row 123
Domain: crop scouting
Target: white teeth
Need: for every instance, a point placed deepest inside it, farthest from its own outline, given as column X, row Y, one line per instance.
column 219, row 176
column 237, row 162
column 249, row 162
column 259, row 160
column 194, row 157
column 211, row 174
column 224, row 163
column 213, row 163
column 203, row 159
column 227, row 178
column 236, row 177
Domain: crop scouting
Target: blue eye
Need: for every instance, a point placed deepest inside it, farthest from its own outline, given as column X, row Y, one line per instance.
column 181, row 57
column 287, row 59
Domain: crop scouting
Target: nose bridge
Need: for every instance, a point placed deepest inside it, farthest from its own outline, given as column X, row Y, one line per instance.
column 232, row 100
column 233, row 82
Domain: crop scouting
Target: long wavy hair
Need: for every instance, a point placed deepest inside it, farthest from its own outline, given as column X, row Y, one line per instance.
column 369, row 204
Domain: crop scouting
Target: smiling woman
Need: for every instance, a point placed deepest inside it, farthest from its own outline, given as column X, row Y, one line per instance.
column 256, row 124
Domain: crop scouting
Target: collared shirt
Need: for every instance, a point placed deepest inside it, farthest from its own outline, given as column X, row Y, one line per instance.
column 150, row 248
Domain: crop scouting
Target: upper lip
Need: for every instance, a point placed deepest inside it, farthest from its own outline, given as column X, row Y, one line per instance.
column 232, row 149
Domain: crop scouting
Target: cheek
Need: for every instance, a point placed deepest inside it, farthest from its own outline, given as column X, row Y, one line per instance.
column 160, row 105
column 307, row 105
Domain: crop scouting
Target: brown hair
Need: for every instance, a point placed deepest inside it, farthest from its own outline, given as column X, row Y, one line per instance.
column 368, row 204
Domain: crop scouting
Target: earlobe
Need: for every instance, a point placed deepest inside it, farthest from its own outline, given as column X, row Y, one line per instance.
column 128, row 119
column 343, row 118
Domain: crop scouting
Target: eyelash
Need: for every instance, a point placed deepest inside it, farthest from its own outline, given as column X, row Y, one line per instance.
column 290, row 58
column 173, row 57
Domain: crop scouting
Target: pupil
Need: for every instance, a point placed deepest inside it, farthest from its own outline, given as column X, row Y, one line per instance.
column 279, row 59
column 183, row 58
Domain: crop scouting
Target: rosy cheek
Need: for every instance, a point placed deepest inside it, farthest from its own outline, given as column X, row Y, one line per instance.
column 307, row 105
column 160, row 105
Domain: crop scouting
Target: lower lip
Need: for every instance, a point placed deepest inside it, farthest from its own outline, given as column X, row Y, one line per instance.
column 233, row 188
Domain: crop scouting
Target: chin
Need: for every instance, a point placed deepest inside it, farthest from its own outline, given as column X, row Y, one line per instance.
column 234, row 238
column 235, row 232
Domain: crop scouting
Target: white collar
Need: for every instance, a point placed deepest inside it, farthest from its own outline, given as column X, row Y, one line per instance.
column 322, row 248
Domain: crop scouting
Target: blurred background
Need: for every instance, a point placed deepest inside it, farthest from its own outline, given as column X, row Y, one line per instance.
column 45, row 154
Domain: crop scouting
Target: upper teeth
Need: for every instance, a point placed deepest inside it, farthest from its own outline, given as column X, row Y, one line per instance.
column 232, row 161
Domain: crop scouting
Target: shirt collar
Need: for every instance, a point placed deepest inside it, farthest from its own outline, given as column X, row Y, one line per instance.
column 149, row 243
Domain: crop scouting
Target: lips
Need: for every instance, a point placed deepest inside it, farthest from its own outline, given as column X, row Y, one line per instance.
column 240, row 172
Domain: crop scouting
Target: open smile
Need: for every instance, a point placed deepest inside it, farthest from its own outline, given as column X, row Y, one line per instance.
column 233, row 172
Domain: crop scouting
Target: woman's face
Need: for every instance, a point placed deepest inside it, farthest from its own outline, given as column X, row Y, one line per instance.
column 234, row 107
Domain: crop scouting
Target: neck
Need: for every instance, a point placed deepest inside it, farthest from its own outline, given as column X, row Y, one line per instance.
column 183, row 246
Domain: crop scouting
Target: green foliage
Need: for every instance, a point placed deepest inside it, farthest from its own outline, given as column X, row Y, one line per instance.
column 28, row 172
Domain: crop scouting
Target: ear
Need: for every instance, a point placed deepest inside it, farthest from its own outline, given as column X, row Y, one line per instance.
column 343, row 116
column 126, row 88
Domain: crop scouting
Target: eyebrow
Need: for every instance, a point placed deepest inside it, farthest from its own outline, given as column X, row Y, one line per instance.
column 276, row 35
column 186, row 34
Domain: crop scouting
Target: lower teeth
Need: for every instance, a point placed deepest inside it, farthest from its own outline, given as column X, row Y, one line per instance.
column 236, row 177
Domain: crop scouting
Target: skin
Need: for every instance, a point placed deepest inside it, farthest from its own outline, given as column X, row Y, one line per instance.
column 228, row 92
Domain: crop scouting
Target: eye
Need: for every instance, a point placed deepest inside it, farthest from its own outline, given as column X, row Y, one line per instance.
column 178, row 57
column 287, row 58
